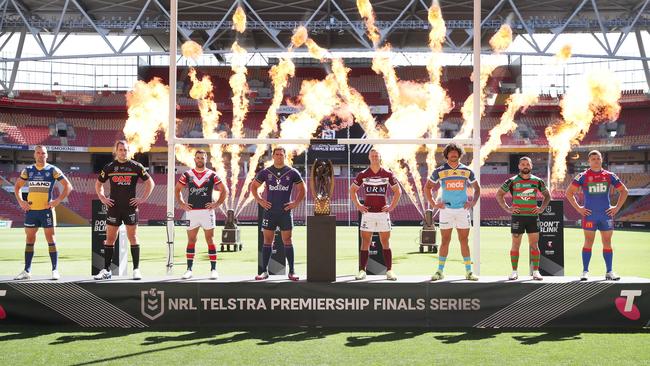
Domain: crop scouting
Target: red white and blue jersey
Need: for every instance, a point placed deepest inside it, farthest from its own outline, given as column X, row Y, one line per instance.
column 279, row 184
column 375, row 186
column 595, row 187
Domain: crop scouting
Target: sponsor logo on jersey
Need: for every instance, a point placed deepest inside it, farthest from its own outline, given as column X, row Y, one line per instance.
column 278, row 187
column 597, row 187
column 122, row 180
column 625, row 304
column 375, row 189
column 37, row 184
column 195, row 191
column 455, row 185
column 527, row 194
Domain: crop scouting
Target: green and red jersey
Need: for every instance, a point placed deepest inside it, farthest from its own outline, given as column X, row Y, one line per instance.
column 524, row 193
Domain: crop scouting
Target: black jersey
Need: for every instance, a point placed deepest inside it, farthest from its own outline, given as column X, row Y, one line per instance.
column 123, row 178
column 200, row 185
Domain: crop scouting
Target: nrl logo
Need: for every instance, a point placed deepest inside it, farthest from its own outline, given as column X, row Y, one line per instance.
column 152, row 303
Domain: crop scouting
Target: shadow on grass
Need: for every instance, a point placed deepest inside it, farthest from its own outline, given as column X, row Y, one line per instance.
column 264, row 336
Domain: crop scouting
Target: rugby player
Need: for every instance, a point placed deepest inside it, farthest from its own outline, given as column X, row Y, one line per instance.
column 40, row 178
column 280, row 180
column 597, row 212
column 524, row 188
column 375, row 217
column 123, row 174
column 200, row 182
column 453, row 178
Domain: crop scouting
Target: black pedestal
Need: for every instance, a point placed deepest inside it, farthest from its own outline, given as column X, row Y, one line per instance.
column 321, row 248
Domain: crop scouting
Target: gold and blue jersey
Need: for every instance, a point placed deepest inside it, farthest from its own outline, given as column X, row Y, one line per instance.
column 40, row 183
column 453, row 183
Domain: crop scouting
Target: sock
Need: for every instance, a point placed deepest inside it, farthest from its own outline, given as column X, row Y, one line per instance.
column 212, row 255
column 54, row 255
column 608, row 254
column 189, row 255
column 266, row 256
column 108, row 256
column 388, row 258
column 288, row 252
column 441, row 263
column 135, row 255
column 534, row 259
column 468, row 264
column 363, row 260
column 29, row 255
column 586, row 257
column 514, row 258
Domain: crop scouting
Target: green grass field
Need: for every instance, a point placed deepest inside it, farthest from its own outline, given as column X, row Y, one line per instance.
column 315, row 346
column 631, row 253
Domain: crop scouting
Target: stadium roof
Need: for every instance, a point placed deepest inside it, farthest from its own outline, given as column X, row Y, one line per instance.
column 335, row 24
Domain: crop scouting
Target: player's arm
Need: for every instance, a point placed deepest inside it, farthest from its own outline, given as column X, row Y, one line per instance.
column 67, row 188
column 477, row 195
column 397, row 193
column 501, row 200
column 148, row 188
column 570, row 195
column 255, row 186
column 622, row 196
column 223, row 194
column 20, row 182
column 301, row 188
column 179, row 197
column 545, row 202
column 99, row 189
column 355, row 199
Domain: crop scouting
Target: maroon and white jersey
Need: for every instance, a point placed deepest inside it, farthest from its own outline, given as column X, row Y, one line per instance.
column 375, row 186
column 200, row 185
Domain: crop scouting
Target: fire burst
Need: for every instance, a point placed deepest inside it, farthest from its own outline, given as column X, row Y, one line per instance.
column 596, row 99
column 507, row 123
column 239, row 20
column 148, row 105
column 468, row 106
column 240, row 103
column 191, row 49
column 368, row 15
column 564, row 53
column 502, row 39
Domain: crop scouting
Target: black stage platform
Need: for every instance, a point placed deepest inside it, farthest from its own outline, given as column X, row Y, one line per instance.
column 413, row 301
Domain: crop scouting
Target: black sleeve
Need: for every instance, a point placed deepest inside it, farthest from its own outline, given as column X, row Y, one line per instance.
column 142, row 172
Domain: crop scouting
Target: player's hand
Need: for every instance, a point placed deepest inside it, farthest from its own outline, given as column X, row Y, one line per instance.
column 135, row 202
column 386, row 209
column 512, row 210
column 185, row 206
column 584, row 211
column 54, row 203
column 439, row 205
column 212, row 205
column 612, row 211
column 24, row 205
column 537, row 210
column 265, row 204
column 107, row 201
column 362, row 209
column 290, row 205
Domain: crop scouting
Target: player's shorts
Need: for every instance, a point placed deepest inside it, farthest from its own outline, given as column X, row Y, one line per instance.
column 273, row 220
column 205, row 219
column 118, row 215
column 457, row 218
column 40, row 218
column 593, row 223
column 524, row 224
column 375, row 222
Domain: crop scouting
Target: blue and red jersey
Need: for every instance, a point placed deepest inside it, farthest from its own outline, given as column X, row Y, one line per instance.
column 595, row 187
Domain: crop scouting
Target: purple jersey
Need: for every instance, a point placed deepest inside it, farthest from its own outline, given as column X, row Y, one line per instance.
column 595, row 187
column 279, row 184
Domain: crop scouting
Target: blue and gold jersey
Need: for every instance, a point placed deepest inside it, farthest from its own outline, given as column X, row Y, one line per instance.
column 454, row 183
column 40, row 183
